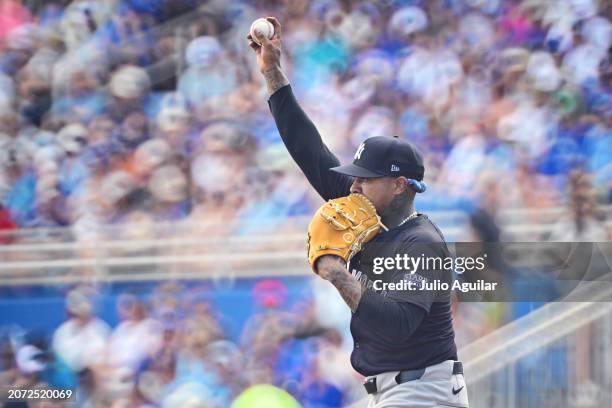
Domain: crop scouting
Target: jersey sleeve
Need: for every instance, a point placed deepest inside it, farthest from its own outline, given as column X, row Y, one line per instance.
column 306, row 146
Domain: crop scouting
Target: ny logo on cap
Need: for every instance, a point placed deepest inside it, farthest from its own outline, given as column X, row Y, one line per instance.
column 359, row 151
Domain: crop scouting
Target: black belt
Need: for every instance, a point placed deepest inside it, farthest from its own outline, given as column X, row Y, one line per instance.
column 407, row 375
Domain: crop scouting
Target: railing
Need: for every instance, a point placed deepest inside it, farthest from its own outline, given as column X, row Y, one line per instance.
column 557, row 356
column 123, row 253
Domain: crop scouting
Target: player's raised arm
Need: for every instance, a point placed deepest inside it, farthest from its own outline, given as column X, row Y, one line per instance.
column 299, row 134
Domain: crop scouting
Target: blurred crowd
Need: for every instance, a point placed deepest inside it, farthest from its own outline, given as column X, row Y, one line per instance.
column 170, row 348
column 128, row 113
column 125, row 112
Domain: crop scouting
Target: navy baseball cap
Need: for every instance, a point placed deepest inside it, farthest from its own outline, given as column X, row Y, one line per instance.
column 384, row 156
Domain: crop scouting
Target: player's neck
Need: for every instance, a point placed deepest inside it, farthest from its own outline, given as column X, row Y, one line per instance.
column 396, row 217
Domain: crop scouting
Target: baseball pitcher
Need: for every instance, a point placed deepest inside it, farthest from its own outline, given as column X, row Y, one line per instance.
column 364, row 241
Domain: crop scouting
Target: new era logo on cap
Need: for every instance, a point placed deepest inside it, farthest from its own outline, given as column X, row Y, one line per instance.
column 383, row 156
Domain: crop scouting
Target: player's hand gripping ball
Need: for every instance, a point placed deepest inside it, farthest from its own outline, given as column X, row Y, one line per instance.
column 261, row 27
column 341, row 227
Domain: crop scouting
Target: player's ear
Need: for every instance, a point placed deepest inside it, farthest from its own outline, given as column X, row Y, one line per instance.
column 400, row 184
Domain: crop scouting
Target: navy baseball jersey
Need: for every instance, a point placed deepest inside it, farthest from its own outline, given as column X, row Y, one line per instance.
column 392, row 330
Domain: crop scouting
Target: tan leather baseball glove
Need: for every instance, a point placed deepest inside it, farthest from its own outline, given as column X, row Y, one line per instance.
column 341, row 226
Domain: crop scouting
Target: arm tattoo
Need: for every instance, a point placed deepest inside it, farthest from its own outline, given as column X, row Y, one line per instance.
column 350, row 289
column 275, row 79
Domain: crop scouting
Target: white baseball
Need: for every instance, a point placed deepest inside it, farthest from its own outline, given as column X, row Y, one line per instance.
column 262, row 26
